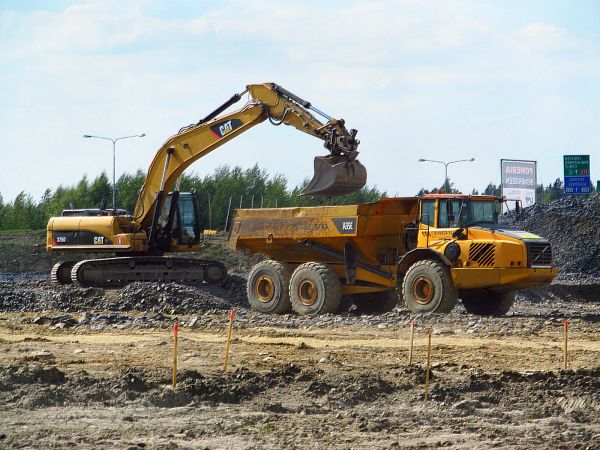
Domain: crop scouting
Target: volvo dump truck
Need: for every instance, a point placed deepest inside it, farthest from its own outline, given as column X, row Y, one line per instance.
column 432, row 251
column 165, row 221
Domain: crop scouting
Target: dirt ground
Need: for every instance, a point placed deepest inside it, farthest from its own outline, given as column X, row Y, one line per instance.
column 91, row 368
column 334, row 386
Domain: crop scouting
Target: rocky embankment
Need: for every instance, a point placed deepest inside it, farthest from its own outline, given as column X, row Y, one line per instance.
column 572, row 225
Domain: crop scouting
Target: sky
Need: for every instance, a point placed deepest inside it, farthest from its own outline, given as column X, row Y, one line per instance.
column 442, row 80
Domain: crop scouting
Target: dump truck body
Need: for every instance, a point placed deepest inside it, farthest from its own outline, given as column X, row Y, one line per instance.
column 371, row 247
column 299, row 235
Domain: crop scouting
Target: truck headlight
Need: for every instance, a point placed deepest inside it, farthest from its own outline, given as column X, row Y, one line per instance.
column 452, row 251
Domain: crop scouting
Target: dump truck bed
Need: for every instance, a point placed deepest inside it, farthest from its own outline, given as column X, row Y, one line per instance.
column 375, row 231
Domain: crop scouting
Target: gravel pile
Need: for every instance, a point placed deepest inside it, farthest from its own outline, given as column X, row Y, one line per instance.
column 572, row 225
column 164, row 298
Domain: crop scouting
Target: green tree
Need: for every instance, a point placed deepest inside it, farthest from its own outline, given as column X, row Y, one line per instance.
column 100, row 193
column 128, row 189
column 492, row 189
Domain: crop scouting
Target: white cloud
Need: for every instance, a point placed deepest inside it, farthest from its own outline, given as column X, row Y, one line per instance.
column 540, row 37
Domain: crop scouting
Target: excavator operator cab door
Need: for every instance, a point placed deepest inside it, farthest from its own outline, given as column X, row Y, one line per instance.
column 188, row 218
column 179, row 220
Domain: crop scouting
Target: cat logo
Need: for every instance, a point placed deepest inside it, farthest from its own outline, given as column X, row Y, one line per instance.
column 225, row 128
column 222, row 129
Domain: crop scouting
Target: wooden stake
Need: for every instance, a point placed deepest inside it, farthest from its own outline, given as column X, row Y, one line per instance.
column 175, row 330
column 228, row 345
column 428, row 366
column 566, row 345
column 412, row 340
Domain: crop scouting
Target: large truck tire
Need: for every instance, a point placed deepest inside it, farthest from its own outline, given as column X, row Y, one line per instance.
column 268, row 287
column 315, row 289
column 376, row 302
column 428, row 288
column 488, row 303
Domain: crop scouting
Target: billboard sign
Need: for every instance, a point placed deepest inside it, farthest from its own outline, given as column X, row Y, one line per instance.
column 519, row 179
column 577, row 174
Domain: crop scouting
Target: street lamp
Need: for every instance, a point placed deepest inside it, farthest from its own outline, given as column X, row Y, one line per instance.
column 446, row 164
column 114, row 142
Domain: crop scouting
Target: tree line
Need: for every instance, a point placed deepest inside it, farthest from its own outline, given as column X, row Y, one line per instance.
column 243, row 188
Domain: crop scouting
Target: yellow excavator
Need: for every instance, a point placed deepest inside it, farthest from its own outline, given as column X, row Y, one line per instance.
column 166, row 220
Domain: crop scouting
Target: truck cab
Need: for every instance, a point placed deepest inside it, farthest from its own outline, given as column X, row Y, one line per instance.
column 488, row 262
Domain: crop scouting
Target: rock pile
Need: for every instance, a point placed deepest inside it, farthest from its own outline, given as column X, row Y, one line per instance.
column 164, row 298
column 572, row 225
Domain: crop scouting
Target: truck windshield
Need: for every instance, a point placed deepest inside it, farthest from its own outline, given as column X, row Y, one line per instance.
column 480, row 211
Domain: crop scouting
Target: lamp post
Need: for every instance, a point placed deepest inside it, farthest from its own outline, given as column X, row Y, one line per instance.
column 446, row 164
column 114, row 142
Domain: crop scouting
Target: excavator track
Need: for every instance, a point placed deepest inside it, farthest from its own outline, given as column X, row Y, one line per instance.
column 61, row 272
column 120, row 271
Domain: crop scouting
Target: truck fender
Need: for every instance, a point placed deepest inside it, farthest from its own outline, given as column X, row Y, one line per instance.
column 416, row 255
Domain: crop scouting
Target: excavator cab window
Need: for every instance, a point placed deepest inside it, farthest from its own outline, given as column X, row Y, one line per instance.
column 184, row 226
column 189, row 226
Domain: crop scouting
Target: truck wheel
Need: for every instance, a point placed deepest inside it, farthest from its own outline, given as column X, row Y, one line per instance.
column 315, row 289
column 268, row 287
column 428, row 288
column 376, row 302
column 489, row 303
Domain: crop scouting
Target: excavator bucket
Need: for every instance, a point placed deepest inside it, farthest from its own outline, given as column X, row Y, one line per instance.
column 335, row 175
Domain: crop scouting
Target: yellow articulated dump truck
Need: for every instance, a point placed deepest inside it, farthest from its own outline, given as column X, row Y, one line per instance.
column 434, row 250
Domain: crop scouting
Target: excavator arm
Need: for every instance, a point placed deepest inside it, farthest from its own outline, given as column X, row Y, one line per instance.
column 335, row 174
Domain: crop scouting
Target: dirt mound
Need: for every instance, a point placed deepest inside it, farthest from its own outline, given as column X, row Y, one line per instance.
column 165, row 298
column 572, row 226
column 351, row 389
column 33, row 386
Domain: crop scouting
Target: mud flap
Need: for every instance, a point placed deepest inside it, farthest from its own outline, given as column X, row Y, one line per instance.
column 350, row 259
column 335, row 175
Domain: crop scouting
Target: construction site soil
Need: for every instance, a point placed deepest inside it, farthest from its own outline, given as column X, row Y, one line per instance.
column 91, row 368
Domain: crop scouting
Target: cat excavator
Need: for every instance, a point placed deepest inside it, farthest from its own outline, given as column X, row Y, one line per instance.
column 167, row 221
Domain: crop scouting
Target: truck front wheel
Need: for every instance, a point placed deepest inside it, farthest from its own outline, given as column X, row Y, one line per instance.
column 428, row 288
column 315, row 289
column 268, row 287
column 488, row 303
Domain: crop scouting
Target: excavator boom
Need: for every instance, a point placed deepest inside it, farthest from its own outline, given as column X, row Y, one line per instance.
column 335, row 174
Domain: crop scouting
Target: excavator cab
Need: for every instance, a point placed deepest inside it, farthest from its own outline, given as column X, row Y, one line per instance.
column 335, row 175
column 179, row 220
